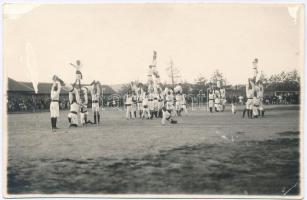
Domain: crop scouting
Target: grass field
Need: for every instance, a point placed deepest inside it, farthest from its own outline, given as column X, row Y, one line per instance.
column 205, row 153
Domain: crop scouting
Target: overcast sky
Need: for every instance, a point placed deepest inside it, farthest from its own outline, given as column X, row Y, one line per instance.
column 115, row 42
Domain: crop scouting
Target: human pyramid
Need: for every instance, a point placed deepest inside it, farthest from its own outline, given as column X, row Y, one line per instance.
column 150, row 100
column 216, row 96
column 78, row 99
column 254, row 94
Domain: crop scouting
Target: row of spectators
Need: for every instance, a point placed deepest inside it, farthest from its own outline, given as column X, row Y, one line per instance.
column 268, row 99
column 280, row 99
column 32, row 103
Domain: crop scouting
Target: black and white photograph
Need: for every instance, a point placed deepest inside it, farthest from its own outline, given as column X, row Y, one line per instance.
column 153, row 100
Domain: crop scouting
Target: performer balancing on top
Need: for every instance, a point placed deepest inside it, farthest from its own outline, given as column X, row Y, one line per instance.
column 78, row 67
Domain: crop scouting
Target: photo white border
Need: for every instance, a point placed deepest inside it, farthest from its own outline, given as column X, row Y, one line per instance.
column 3, row 115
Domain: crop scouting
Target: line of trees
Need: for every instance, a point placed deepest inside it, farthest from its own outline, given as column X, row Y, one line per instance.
column 283, row 81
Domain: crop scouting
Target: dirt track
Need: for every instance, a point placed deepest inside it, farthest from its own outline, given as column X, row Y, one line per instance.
column 204, row 154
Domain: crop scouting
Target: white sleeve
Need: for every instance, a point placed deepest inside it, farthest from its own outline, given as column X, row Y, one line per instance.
column 59, row 88
column 52, row 87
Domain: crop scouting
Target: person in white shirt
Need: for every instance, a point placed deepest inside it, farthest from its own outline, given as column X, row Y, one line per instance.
column 241, row 100
column 217, row 100
column 256, row 104
column 151, row 106
column 169, row 101
column 160, row 97
column 167, row 116
column 155, row 97
column 249, row 102
column 145, row 107
column 54, row 104
column 233, row 108
column 211, row 100
column 178, row 103
column 83, row 106
column 184, row 104
column 71, row 89
column 128, row 104
column 260, row 91
column 95, row 93
column 134, row 103
column 78, row 67
column 74, row 109
column 140, row 96
column 223, row 98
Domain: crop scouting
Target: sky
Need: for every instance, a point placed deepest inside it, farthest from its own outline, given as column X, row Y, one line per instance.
column 115, row 42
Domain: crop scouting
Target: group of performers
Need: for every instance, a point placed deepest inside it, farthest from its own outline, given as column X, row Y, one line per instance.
column 155, row 102
column 151, row 100
column 216, row 97
column 78, row 99
column 254, row 95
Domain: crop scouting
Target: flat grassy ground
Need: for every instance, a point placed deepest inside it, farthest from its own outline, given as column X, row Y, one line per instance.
column 205, row 153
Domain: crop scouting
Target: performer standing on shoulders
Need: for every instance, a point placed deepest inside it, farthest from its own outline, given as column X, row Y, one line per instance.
column 78, row 67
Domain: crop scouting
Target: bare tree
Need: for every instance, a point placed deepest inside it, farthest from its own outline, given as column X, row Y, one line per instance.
column 217, row 75
column 173, row 73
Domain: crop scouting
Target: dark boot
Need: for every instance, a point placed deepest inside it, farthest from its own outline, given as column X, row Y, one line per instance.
column 55, row 121
column 210, row 109
column 98, row 117
column 52, row 123
column 134, row 114
column 95, row 121
column 251, row 114
column 173, row 121
column 259, row 113
column 262, row 113
column 69, row 119
column 244, row 111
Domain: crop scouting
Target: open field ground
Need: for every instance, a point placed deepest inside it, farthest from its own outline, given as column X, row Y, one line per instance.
column 205, row 153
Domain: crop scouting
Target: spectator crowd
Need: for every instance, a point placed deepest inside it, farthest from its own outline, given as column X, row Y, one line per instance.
column 34, row 103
